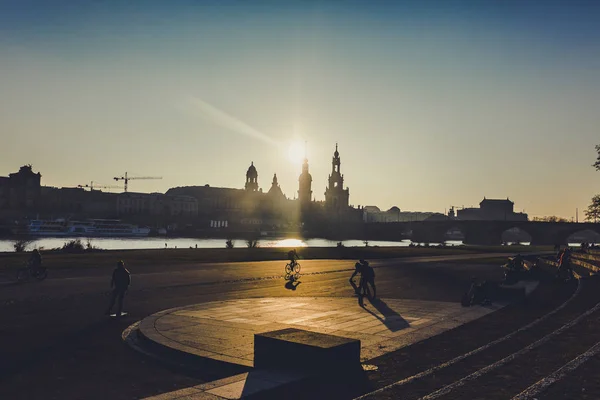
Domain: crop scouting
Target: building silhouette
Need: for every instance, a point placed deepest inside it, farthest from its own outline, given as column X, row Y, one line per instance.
column 21, row 190
column 492, row 210
column 304, row 189
column 251, row 178
column 336, row 197
column 198, row 208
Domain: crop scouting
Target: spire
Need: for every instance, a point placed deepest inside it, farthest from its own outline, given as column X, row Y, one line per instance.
column 336, row 154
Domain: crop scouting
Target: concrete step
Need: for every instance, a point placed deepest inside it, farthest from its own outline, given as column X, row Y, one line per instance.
column 300, row 350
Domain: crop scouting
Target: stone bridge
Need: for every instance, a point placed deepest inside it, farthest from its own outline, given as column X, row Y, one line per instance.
column 477, row 232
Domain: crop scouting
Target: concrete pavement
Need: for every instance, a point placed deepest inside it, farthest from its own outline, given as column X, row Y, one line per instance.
column 224, row 330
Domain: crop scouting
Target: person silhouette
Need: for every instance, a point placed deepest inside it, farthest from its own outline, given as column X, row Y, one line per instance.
column 357, row 270
column 35, row 261
column 121, row 279
column 368, row 278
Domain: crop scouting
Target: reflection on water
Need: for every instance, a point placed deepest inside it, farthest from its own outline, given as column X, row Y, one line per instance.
column 161, row 243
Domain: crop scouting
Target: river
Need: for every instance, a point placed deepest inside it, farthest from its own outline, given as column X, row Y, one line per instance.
column 49, row 243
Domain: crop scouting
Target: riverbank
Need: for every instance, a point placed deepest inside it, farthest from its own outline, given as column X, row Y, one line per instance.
column 173, row 257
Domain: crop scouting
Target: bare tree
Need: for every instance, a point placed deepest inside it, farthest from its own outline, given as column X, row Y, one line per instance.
column 597, row 163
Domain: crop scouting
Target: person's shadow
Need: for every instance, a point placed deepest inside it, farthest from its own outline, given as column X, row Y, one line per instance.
column 292, row 285
column 391, row 319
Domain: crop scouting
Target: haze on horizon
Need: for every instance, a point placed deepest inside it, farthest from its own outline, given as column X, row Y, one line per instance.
column 432, row 103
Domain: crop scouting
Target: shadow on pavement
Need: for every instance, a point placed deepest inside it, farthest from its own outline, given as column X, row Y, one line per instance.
column 292, row 285
column 332, row 386
column 391, row 319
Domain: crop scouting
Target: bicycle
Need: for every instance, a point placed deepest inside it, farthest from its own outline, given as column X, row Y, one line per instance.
column 27, row 272
column 292, row 270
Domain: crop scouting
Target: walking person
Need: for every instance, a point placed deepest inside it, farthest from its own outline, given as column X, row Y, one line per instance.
column 357, row 270
column 121, row 279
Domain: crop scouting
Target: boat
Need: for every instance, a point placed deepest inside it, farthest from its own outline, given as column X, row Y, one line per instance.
column 115, row 228
column 40, row 227
column 87, row 228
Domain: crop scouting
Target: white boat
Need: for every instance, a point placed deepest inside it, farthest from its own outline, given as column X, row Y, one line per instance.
column 89, row 228
column 114, row 228
column 39, row 227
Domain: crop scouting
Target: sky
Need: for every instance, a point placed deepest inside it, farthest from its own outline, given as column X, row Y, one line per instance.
column 433, row 103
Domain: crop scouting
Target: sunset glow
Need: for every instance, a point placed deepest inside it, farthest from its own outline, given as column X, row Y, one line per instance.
column 296, row 152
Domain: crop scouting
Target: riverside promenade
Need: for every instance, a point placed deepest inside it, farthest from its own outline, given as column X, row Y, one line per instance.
column 87, row 357
column 224, row 331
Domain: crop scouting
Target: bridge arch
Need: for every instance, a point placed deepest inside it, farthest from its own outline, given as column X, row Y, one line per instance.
column 516, row 234
column 584, row 236
column 455, row 234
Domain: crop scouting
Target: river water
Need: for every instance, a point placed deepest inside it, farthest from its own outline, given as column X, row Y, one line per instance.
column 49, row 243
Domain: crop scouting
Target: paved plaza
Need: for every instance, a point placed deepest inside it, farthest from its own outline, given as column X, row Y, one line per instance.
column 224, row 330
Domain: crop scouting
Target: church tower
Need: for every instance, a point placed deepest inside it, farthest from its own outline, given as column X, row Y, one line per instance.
column 252, row 179
column 275, row 190
column 336, row 197
column 304, row 191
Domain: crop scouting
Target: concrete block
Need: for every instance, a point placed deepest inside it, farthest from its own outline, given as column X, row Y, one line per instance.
column 300, row 350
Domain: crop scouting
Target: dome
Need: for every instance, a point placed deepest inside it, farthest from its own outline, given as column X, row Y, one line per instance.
column 252, row 171
column 394, row 209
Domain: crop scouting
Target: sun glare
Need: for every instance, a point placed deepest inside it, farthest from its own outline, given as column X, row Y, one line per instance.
column 296, row 152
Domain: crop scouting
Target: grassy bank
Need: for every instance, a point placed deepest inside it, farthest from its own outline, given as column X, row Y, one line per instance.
column 168, row 257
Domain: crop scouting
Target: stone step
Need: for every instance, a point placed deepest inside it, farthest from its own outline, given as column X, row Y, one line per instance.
column 300, row 350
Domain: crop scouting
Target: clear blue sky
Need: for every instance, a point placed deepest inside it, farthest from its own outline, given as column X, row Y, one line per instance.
column 433, row 103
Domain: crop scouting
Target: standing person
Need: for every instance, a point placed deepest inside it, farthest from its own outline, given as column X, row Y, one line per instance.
column 368, row 277
column 35, row 261
column 119, row 284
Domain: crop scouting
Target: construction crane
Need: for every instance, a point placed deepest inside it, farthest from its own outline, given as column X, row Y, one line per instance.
column 126, row 178
column 92, row 185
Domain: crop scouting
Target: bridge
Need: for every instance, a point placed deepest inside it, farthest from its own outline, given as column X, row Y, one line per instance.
column 477, row 232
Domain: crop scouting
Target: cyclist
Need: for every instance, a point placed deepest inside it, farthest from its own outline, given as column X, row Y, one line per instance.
column 292, row 256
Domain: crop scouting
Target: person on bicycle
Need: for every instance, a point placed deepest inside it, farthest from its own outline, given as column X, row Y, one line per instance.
column 35, row 261
column 292, row 256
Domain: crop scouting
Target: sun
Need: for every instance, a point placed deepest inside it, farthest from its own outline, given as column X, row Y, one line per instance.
column 296, row 152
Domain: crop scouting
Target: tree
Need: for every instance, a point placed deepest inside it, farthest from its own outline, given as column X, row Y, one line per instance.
column 597, row 163
column 593, row 211
column 552, row 218
column 20, row 245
